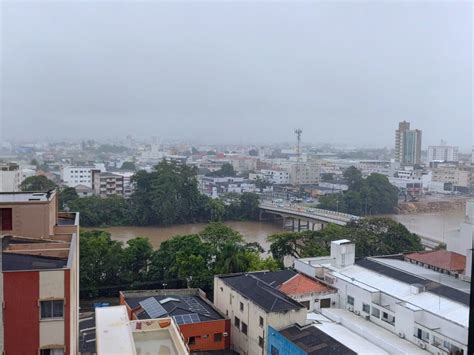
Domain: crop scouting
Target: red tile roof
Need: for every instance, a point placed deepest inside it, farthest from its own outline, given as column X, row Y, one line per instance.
column 446, row 260
column 301, row 284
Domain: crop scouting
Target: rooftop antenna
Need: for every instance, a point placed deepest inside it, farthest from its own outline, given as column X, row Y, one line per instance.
column 298, row 132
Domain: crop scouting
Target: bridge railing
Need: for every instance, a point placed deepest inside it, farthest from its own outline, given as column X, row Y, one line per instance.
column 309, row 211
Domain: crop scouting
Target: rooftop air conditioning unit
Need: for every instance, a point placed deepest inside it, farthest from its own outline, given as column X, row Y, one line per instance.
column 401, row 335
column 357, row 312
column 422, row 344
column 350, row 308
column 367, row 317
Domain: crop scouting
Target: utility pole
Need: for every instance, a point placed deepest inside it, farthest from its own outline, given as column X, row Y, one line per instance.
column 298, row 132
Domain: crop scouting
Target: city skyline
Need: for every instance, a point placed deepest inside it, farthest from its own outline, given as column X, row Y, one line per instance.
column 237, row 72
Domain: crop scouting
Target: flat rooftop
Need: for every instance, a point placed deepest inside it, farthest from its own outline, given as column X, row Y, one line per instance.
column 367, row 330
column 15, row 197
column 115, row 334
column 372, row 276
column 21, row 253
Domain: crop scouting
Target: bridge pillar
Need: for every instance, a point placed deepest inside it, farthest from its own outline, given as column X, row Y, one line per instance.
column 292, row 224
column 299, row 225
column 312, row 226
column 307, row 225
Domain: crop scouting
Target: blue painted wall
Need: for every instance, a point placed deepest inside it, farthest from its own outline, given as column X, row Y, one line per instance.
column 284, row 346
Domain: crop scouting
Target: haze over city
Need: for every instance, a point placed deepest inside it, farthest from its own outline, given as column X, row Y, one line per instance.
column 243, row 72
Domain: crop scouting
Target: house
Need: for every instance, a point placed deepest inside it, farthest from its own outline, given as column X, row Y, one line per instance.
column 253, row 304
column 204, row 328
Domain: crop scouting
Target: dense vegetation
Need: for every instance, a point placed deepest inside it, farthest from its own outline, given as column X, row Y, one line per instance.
column 369, row 196
column 37, row 183
column 372, row 236
column 183, row 261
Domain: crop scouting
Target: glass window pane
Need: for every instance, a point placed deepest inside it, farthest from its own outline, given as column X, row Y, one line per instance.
column 58, row 308
column 46, row 309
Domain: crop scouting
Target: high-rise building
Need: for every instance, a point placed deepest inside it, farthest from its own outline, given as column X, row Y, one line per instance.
column 407, row 144
column 39, row 279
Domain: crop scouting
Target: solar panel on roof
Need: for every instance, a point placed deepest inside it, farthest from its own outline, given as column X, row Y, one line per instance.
column 187, row 318
column 195, row 306
column 153, row 307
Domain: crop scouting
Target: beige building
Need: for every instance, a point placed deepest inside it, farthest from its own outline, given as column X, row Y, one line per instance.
column 304, row 173
column 457, row 175
column 107, row 184
column 253, row 305
column 39, row 283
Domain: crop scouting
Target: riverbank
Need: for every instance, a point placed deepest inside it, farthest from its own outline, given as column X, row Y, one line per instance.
column 432, row 205
column 252, row 231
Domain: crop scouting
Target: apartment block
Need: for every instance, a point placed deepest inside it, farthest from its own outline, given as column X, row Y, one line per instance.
column 442, row 153
column 407, row 145
column 107, row 184
column 252, row 305
column 40, row 275
column 77, row 175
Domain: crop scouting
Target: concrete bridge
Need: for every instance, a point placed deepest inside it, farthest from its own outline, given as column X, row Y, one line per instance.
column 304, row 218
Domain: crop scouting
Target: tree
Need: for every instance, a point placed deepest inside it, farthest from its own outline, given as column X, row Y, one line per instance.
column 100, row 264
column 167, row 195
column 373, row 195
column 372, row 236
column 66, row 196
column 98, row 212
column 136, row 260
column 249, row 205
column 327, row 177
column 253, row 153
column 129, row 165
column 34, row 162
column 37, row 183
column 225, row 170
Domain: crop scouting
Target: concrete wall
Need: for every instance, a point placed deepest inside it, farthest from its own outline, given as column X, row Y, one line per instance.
column 282, row 344
column 228, row 302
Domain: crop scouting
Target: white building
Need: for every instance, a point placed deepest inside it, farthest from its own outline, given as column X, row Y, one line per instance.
column 79, row 175
column 10, row 177
column 276, row 176
column 253, row 305
column 442, row 153
column 421, row 306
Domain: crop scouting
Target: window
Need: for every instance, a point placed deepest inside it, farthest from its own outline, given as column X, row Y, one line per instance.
column 260, row 321
column 6, row 223
column 218, row 337
column 244, row 328
column 52, row 352
column 241, row 307
column 375, row 312
column 365, row 308
column 423, row 335
column 260, row 342
column 274, row 351
column 192, row 340
column 388, row 318
column 350, row 300
column 325, row 303
column 237, row 322
column 230, row 299
column 52, row 309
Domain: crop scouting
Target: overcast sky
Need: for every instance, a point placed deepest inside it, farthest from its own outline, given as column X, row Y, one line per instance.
column 242, row 72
